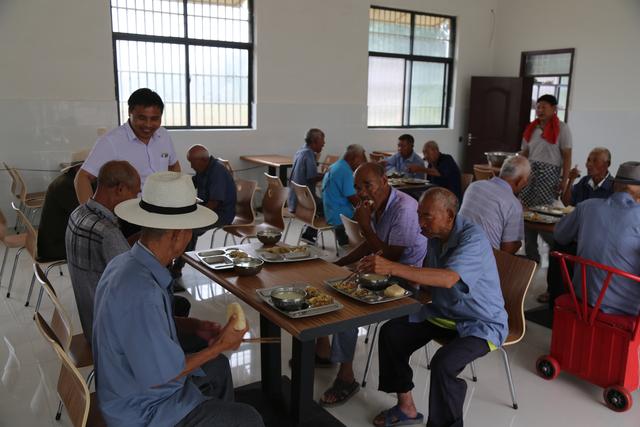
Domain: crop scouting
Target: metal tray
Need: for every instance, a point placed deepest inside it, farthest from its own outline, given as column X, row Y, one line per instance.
column 550, row 210
column 374, row 298
column 541, row 218
column 270, row 257
column 414, row 181
column 265, row 295
column 223, row 261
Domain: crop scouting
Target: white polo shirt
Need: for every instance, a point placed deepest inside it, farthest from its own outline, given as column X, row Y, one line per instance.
column 122, row 144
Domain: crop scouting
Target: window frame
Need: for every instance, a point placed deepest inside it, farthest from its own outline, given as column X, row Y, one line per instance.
column 185, row 42
column 449, row 70
column 571, row 50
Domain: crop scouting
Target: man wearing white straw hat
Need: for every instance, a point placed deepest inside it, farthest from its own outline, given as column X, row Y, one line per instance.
column 143, row 376
column 59, row 202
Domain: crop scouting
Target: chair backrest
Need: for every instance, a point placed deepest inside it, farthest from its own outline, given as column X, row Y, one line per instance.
column 272, row 204
column 3, row 226
column 328, row 161
column 353, row 230
column 60, row 324
column 516, row 274
column 245, row 214
column 376, row 157
column 273, row 180
column 15, row 183
column 465, row 181
column 72, row 388
column 306, row 204
column 226, row 165
column 482, row 172
column 32, row 234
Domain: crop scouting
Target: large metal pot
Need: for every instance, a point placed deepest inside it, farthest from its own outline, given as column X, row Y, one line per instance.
column 497, row 158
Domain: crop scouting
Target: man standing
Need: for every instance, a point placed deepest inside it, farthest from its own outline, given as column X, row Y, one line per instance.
column 60, row 200
column 389, row 222
column 493, row 205
column 305, row 172
column 216, row 189
column 141, row 141
column 442, row 169
column 467, row 311
column 338, row 192
column 93, row 237
column 404, row 158
column 143, row 377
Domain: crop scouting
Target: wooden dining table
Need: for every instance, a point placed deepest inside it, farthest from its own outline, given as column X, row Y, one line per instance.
column 300, row 407
column 273, row 162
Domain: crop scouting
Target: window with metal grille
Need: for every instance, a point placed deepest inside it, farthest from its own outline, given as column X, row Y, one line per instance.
column 197, row 54
column 410, row 68
column 551, row 72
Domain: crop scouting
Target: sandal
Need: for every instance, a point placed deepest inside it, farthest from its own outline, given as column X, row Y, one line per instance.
column 340, row 392
column 395, row 417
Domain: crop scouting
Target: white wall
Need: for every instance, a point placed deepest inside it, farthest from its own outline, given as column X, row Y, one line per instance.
column 604, row 108
column 57, row 83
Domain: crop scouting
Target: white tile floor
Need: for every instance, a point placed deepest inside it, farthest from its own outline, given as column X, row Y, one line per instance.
column 28, row 397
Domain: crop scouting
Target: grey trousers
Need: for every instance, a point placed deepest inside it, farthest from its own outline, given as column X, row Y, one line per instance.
column 343, row 346
column 531, row 243
column 220, row 409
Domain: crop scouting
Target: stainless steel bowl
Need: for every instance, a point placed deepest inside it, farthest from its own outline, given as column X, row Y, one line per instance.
column 247, row 266
column 497, row 158
column 269, row 237
column 373, row 282
column 288, row 298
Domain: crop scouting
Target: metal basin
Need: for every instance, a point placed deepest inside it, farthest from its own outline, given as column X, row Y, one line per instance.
column 289, row 298
column 497, row 158
column 247, row 266
column 373, row 282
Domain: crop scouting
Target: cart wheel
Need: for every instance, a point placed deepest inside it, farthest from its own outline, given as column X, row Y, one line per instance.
column 617, row 398
column 547, row 367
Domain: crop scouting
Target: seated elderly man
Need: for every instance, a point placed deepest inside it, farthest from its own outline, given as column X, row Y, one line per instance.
column 493, row 205
column 441, row 170
column 467, row 311
column 598, row 184
column 389, row 222
column 143, row 377
column 607, row 232
column 60, row 200
column 216, row 189
column 404, row 158
column 305, row 172
column 338, row 192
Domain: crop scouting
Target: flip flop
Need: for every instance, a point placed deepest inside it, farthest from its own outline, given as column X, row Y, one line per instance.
column 341, row 391
column 395, row 417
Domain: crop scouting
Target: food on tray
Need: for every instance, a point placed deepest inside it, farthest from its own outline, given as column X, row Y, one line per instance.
column 320, row 300
column 286, row 250
column 348, row 286
column 568, row 209
column 241, row 322
column 394, row 291
column 312, row 292
column 237, row 254
column 287, row 295
column 361, row 293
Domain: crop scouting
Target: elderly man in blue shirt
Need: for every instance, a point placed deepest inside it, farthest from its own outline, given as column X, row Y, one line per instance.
column 305, row 172
column 389, row 222
column 401, row 161
column 467, row 311
column 143, row 376
column 338, row 192
column 607, row 232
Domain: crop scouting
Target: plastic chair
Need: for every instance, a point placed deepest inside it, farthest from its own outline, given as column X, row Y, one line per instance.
column 10, row 241
column 31, row 245
column 306, row 212
column 481, row 172
column 274, row 181
column 73, row 390
column 376, row 157
column 352, row 228
column 245, row 213
column 328, row 161
column 226, row 165
column 28, row 203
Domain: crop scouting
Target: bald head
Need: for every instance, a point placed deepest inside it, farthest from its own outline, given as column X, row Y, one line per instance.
column 198, row 157
column 442, row 198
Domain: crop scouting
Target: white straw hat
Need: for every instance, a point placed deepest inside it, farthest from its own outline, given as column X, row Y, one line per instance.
column 77, row 158
column 168, row 202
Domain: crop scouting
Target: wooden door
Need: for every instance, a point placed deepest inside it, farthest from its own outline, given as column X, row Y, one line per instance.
column 498, row 113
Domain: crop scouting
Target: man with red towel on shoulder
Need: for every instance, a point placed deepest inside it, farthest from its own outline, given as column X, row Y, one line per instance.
column 547, row 143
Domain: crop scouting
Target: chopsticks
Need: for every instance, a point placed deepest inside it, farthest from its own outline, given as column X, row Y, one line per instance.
column 263, row 340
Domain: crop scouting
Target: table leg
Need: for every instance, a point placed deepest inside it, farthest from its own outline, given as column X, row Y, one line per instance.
column 272, row 170
column 283, row 175
column 270, row 360
column 302, row 370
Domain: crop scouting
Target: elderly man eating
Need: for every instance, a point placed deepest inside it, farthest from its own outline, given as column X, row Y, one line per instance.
column 143, row 376
column 389, row 223
column 467, row 311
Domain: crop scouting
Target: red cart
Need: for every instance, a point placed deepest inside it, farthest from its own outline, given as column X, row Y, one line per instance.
column 600, row 348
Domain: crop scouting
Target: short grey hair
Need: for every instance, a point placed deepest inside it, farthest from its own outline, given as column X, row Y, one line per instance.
column 442, row 196
column 116, row 172
column 353, row 149
column 515, row 167
column 431, row 144
column 197, row 151
column 604, row 151
column 312, row 135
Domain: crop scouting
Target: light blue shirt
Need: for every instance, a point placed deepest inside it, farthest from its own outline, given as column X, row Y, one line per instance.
column 122, row 143
column 607, row 232
column 303, row 170
column 398, row 226
column 492, row 205
column 475, row 302
column 399, row 163
column 337, row 187
column 136, row 351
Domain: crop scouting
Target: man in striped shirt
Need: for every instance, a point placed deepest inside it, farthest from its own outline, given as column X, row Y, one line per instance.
column 493, row 204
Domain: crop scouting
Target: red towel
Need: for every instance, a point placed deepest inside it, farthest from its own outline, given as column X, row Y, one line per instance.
column 549, row 133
